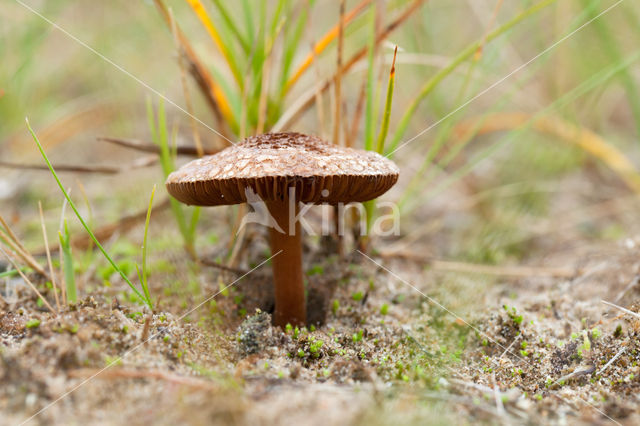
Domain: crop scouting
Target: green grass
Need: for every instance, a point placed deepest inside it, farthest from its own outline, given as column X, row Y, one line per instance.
column 187, row 223
column 67, row 264
column 458, row 60
column 83, row 222
column 143, row 275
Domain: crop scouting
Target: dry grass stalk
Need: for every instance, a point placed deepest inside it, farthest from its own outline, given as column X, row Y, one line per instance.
column 122, row 373
column 625, row 310
column 492, row 21
column 27, row 280
column 474, row 268
column 319, row 101
column 213, row 93
column 106, row 170
column 337, row 85
column 357, row 116
column 612, row 360
column 306, row 100
column 324, row 41
column 185, row 87
column 46, row 245
column 66, row 128
column 137, row 145
column 22, row 253
column 581, row 137
column 264, row 89
column 11, row 234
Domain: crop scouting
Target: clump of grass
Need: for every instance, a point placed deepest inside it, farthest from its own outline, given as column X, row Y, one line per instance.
column 186, row 224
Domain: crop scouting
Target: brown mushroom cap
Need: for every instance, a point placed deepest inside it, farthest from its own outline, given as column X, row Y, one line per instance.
column 269, row 164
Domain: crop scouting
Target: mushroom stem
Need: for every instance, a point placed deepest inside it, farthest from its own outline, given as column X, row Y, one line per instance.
column 287, row 266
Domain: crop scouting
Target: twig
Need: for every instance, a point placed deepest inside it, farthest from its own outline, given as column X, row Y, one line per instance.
column 152, row 148
column 105, row 232
column 107, row 170
column 27, row 280
column 222, row 267
column 612, row 360
column 46, row 244
column 575, row 373
column 625, row 310
column 510, row 346
column 474, row 268
column 117, row 373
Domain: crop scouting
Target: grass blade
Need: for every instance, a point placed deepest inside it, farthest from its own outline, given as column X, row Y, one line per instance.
column 291, row 42
column 322, row 44
column 145, row 274
column 581, row 137
column 213, row 93
column 384, row 127
column 463, row 56
column 233, row 27
column 201, row 13
column 82, row 221
column 67, row 265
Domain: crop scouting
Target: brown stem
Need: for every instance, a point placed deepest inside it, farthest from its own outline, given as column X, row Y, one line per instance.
column 287, row 266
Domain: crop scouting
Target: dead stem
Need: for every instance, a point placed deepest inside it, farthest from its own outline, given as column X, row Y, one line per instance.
column 28, row 281
column 23, row 254
column 337, row 82
column 209, row 89
column 487, row 30
column 222, row 267
column 185, row 87
column 107, row 170
column 325, row 40
column 625, row 310
column 357, row 115
column 612, row 360
column 122, row 373
column 137, row 145
column 474, row 268
column 577, row 372
column 46, row 245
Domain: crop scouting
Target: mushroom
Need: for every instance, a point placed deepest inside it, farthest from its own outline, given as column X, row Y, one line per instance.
column 284, row 170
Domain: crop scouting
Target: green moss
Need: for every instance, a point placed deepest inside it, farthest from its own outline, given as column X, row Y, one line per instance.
column 335, row 306
column 33, row 323
column 384, row 309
